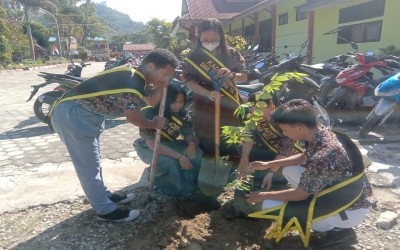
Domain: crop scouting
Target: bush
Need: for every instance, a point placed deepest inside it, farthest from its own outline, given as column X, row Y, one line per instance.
column 29, row 63
column 390, row 50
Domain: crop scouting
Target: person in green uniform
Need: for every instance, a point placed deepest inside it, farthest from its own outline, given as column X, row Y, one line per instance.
column 78, row 118
column 179, row 157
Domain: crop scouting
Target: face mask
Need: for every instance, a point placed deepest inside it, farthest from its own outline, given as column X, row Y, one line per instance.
column 210, row 46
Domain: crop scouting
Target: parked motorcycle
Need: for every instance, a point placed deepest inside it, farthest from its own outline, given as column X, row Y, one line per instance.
column 43, row 103
column 356, row 84
column 389, row 102
column 75, row 69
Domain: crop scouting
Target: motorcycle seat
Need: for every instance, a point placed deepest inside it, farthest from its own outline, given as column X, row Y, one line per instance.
column 251, row 88
column 64, row 76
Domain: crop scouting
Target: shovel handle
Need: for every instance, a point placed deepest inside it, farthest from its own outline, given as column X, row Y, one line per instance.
column 217, row 128
column 217, row 86
column 157, row 141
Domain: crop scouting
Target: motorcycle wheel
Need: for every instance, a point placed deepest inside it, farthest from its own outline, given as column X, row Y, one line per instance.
column 327, row 92
column 322, row 116
column 369, row 124
column 343, row 98
column 43, row 103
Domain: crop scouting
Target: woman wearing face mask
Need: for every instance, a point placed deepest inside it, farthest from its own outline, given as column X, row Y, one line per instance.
column 212, row 54
column 179, row 157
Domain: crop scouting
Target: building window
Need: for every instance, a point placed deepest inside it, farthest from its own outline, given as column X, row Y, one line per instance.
column 360, row 33
column 371, row 9
column 283, row 18
column 301, row 15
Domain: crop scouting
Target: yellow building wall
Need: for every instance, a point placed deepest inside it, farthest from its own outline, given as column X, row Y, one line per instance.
column 292, row 34
column 327, row 19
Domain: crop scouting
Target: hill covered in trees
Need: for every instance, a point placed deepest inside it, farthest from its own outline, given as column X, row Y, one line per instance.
column 118, row 23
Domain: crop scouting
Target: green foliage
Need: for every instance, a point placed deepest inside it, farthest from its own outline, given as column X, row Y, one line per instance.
column 92, row 25
column 390, row 50
column 160, row 33
column 5, row 46
column 28, row 63
column 252, row 112
column 40, row 33
column 180, row 43
column 238, row 42
column 245, row 183
column 184, row 53
column 118, row 41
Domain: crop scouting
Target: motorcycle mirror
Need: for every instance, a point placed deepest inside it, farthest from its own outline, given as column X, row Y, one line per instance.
column 259, row 65
column 369, row 53
column 354, row 45
column 305, row 44
column 255, row 48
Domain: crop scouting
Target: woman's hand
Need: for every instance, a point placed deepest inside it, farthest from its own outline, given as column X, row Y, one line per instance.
column 190, row 150
column 185, row 163
column 213, row 95
column 226, row 72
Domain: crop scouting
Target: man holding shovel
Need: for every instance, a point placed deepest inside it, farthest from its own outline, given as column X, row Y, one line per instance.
column 79, row 115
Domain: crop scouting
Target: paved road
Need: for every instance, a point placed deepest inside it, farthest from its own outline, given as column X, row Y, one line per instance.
column 25, row 141
column 35, row 166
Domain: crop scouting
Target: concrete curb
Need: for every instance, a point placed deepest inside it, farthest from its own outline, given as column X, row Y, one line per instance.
column 4, row 72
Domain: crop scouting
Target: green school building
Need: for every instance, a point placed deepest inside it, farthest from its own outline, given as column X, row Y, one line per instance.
column 275, row 23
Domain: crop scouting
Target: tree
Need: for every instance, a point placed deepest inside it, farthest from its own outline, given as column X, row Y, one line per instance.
column 160, row 33
column 118, row 41
column 92, row 26
column 13, row 42
column 40, row 33
column 28, row 4
column 5, row 46
column 180, row 43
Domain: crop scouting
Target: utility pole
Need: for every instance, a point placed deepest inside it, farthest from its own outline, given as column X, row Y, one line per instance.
column 57, row 30
column 29, row 31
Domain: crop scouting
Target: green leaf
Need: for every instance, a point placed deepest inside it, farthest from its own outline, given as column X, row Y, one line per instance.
column 282, row 78
column 273, row 78
column 261, row 104
column 265, row 95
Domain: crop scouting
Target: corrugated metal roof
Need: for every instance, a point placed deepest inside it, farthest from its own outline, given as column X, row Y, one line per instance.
column 138, row 47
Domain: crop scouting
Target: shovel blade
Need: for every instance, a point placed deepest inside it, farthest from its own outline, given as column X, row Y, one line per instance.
column 213, row 176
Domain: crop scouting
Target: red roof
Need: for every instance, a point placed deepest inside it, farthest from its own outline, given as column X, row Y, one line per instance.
column 201, row 9
column 139, row 47
column 220, row 9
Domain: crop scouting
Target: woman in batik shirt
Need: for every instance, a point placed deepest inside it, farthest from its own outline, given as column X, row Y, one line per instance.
column 212, row 54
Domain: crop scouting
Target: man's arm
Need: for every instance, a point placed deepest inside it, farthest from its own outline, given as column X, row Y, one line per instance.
column 167, row 151
column 155, row 97
column 243, row 167
column 297, row 194
column 298, row 159
column 136, row 118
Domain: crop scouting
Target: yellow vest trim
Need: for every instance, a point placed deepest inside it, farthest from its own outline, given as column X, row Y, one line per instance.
column 202, row 72
column 293, row 224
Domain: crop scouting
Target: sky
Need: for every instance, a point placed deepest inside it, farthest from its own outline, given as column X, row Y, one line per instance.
column 145, row 10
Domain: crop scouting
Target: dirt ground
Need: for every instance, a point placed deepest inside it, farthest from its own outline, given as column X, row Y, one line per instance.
column 169, row 223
